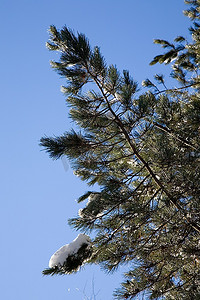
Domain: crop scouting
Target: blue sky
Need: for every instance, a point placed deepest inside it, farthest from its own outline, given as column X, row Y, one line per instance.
column 37, row 194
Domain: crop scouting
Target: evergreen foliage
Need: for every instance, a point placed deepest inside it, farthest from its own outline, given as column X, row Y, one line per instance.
column 72, row 263
column 143, row 150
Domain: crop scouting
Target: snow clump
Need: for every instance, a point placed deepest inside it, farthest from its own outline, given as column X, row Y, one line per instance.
column 60, row 256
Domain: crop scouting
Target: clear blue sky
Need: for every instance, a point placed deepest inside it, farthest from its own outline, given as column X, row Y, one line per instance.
column 37, row 194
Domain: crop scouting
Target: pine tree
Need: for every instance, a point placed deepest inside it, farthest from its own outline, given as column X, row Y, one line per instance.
column 142, row 149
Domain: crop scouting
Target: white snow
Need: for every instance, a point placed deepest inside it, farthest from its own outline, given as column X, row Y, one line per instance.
column 118, row 96
column 80, row 213
column 92, row 197
column 60, row 256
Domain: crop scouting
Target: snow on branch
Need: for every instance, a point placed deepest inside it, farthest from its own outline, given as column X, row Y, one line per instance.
column 70, row 257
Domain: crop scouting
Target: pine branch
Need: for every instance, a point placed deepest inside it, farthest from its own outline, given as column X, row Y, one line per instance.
column 148, row 168
column 174, row 136
column 177, row 89
column 72, row 263
column 148, row 204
